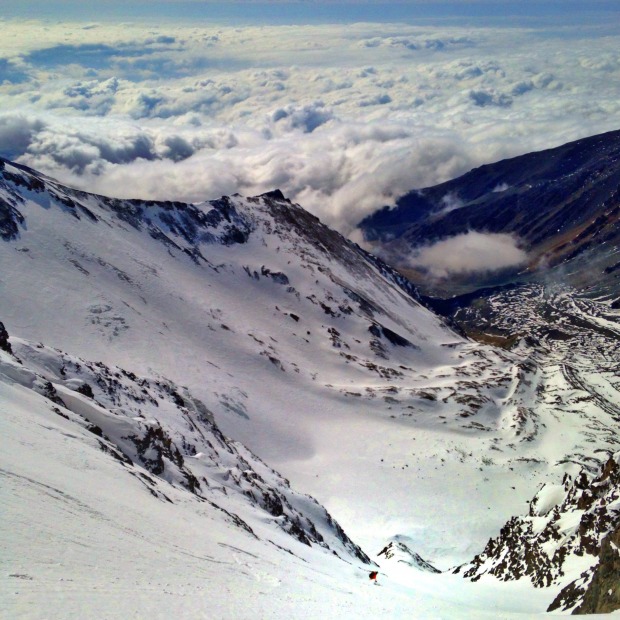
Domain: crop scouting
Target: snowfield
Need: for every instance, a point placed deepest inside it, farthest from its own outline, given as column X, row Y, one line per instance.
column 317, row 363
column 82, row 539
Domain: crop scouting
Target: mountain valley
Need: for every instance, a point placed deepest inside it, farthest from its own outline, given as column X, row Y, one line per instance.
column 215, row 362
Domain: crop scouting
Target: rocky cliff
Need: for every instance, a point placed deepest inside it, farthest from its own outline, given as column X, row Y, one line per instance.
column 567, row 539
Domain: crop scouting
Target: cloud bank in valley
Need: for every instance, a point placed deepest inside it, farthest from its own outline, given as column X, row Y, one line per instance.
column 343, row 120
column 471, row 252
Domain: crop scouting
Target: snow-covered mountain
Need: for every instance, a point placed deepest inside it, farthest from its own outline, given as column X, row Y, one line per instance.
column 154, row 425
column 397, row 551
column 250, row 316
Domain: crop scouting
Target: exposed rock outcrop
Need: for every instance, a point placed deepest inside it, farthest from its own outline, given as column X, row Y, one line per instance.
column 603, row 593
column 571, row 527
column 5, row 345
column 398, row 551
column 598, row 588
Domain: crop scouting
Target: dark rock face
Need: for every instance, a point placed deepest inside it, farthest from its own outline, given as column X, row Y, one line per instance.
column 10, row 220
column 5, row 345
column 603, row 593
column 578, row 518
column 86, row 390
column 597, row 590
column 397, row 340
column 277, row 276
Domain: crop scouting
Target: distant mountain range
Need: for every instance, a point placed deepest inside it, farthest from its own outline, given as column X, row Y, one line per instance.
column 561, row 205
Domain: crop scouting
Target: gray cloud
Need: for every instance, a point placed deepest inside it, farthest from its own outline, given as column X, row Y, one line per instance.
column 378, row 99
column 92, row 97
column 16, row 134
column 420, row 43
column 177, row 148
column 307, row 118
column 63, row 147
column 484, row 98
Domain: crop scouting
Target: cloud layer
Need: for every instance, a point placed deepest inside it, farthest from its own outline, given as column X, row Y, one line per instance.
column 343, row 120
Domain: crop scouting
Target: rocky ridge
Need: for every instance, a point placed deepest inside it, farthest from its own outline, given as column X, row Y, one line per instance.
column 570, row 529
column 602, row 590
column 397, row 551
column 162, row 435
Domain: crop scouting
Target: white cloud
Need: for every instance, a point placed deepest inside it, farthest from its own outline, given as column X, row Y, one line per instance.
column 471, row 252
column 450, row 202
column 342, row 119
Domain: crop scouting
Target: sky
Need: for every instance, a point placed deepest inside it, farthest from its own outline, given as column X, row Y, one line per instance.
column 343, row 106
column 322, row 11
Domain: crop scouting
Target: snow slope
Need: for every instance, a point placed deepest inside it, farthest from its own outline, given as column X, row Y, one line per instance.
column 295, row 340
column 84, row 536
column 310, row 352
